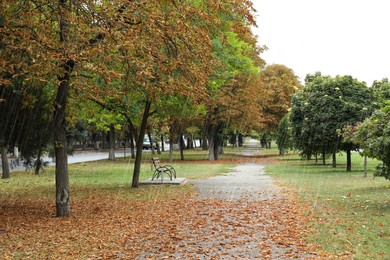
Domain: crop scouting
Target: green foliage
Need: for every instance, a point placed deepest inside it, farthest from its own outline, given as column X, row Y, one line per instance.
column 284, row 135
column 323, row 108
column 381, row 92
column 374, row 134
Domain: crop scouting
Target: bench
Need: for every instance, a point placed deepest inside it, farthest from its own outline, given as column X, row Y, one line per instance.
column 159, row 170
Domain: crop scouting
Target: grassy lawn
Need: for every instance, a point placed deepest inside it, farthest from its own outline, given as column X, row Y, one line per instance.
column 106, row 175
column 352, row 213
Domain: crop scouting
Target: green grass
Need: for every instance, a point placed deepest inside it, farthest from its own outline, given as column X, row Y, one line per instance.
column 352, row 213
column 110, row 176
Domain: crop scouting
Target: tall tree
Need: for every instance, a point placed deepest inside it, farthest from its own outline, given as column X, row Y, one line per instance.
column 60, row 40
column 279, row 83
column 232, row 87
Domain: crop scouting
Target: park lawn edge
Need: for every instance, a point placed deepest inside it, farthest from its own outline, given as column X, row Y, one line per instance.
column 350, row 213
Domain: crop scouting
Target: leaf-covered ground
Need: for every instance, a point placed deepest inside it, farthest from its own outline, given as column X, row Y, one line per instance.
column 107, row 225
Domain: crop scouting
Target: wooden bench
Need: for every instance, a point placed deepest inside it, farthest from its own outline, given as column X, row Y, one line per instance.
column 159, row 170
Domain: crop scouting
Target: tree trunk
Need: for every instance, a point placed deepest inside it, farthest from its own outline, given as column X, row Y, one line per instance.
column 162, row 143
column 323, row 158
column 365, row 166
column 38, row 162
column 334, row 159
column 158, row 147
column 124, row 146
column 4, row 163
column 151, row 143
column 182, row 147
column 170, row 149
column 140, row 140
column 60, row 148
column 211, row 150
column 240, row 140
column 214, row 140
column 349, row 161
column 264, row 141
column 131, row 137
column 205, row 145
column 111, row 141
column 282, row 152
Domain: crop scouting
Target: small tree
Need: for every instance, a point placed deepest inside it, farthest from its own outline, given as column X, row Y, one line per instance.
column 374, row 134
column 283, row 138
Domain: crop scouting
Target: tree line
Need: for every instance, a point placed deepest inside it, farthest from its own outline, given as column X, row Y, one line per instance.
column 133, row 66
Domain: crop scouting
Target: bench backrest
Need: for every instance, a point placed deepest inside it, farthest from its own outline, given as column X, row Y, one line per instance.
column 156, row 162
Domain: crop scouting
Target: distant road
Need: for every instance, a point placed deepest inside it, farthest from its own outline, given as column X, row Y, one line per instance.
column 77, row 157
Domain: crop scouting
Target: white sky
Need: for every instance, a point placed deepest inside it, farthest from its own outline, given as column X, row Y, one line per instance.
column 335, row 37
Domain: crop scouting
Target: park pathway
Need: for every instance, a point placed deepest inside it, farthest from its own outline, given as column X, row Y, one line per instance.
column 241, row 215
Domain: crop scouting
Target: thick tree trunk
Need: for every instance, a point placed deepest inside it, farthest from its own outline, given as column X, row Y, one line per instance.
column 140, row 140
column 111, row 141
column 60, row 148
column 240, row 140
column 190, row 143
column 263, row 141
column 59, row 133
column 205, row 145
column 215, row 140
column 211, row 150
column 4, row 163
column 349, row 161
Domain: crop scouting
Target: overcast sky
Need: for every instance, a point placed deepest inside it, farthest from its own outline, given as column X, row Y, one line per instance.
column 335, row 37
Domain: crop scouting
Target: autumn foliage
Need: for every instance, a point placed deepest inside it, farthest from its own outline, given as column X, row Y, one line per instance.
column 109, row 225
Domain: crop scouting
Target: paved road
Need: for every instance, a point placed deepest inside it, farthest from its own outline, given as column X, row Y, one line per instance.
column 77, row 157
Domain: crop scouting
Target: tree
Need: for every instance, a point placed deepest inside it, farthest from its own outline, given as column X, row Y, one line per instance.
column 57, row 41
column 279, row 83
column 25, row 122
column 374, row 134
column 233, row 86
column 322, row 108
column 283, row 138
